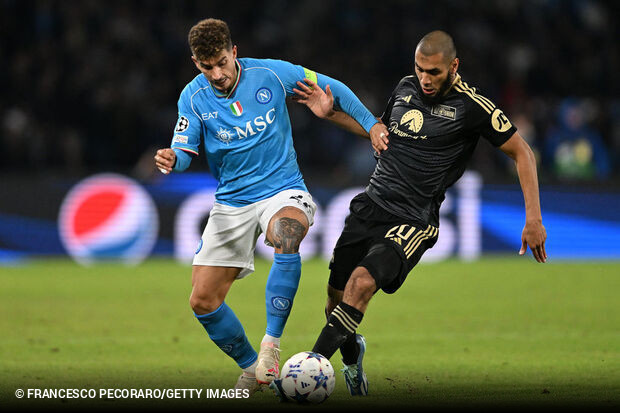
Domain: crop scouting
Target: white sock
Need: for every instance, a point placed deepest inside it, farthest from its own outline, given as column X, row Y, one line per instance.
column 271, row 339
column 250, row 371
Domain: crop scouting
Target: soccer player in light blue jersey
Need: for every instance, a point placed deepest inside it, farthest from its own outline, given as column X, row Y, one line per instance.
column 236, row 110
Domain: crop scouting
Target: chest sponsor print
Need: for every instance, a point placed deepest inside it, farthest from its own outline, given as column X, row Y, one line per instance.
column 443, row 111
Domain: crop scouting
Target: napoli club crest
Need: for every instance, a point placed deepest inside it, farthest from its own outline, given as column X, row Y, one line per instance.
column 263, row 95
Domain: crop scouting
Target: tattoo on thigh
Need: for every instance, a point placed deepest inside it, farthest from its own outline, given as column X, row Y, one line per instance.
column 287, row 234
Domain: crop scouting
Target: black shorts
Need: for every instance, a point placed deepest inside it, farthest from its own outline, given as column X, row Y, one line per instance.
column 386, row 245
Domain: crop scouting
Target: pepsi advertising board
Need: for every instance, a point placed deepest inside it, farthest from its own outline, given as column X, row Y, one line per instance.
column 108, row 216
column 113, row 217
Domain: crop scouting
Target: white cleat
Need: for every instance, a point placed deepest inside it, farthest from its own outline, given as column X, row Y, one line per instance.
column 268, row 367
column 248, row 382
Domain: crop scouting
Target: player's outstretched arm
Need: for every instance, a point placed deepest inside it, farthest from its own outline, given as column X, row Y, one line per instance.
column 165, row 160
column 534, row 233
column 321, row 103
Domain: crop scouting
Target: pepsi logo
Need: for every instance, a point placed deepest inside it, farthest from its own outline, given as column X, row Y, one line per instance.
column 108, row 217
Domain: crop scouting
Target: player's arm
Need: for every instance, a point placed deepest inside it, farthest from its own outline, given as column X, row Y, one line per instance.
column 185, row 140
column 534, row 233
column 321, row 103
column 343, row 98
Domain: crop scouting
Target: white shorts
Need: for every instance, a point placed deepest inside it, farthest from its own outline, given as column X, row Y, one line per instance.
column 229, row 239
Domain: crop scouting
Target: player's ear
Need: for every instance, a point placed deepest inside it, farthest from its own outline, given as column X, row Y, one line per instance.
column 234, row 52
column 196, row 62
column 454, row 66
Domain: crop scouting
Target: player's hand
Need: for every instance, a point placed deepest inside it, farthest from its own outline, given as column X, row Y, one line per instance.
column 379, row 137
column 320, row 102
column 534, row 235
column 165, row 159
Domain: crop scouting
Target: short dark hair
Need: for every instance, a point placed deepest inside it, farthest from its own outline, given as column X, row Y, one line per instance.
column 208, row 38
column 436, row 42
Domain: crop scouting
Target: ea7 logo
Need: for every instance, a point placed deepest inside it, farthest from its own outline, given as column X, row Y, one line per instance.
column 209, row 115
column 259, row 123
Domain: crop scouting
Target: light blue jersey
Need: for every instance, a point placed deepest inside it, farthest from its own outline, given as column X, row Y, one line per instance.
column 246, row 134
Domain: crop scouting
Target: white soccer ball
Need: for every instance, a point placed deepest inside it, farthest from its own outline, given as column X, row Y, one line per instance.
column 307, row 377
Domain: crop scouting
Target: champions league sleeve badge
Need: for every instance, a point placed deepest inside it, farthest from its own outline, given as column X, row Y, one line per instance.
column 182, row 125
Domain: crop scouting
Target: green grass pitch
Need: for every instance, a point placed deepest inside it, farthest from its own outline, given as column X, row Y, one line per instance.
column 496, row 332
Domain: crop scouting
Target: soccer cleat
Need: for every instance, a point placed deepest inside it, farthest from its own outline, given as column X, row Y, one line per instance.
column 354, row 375
column 249, row 383
column 276, row 386
column 268, row 367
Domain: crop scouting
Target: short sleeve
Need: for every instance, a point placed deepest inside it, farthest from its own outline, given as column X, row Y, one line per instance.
column 186, row 134
column 497, row 128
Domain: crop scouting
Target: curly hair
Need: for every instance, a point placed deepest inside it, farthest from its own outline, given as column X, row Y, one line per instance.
column 208, row 38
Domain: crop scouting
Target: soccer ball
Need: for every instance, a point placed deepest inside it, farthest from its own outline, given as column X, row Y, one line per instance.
column 307, row 377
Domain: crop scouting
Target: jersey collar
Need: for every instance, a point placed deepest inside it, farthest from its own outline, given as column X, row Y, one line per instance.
column 456, row 80
column 232, row 89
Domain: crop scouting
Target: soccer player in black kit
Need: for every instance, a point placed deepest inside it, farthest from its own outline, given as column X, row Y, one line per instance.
column 434, row 120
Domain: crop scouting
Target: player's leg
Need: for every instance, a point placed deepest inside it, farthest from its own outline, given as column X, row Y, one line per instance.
column 226, row 253
column 386, row 266
column 350, row 349
column 347, row 315
column 286, row 230
column 288, row 215
column 209, row 288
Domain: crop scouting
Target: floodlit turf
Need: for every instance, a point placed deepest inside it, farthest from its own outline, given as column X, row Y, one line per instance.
column 500, row 331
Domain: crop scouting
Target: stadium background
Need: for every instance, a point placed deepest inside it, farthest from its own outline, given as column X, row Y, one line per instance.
column 90, row 87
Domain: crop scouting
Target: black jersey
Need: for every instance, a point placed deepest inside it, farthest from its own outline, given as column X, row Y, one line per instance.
column 430, row 146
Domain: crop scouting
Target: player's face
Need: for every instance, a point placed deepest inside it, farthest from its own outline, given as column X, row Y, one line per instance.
column 434, row 74
column 220, row 70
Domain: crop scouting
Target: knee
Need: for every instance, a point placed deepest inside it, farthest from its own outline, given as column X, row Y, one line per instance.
column 362, row 283
column 287, row 232
column 204, row 303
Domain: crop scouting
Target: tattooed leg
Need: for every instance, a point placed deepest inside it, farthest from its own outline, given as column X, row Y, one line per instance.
column 286, row 231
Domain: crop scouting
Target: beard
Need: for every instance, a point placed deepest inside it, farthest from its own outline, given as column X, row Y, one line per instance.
column 437, row 97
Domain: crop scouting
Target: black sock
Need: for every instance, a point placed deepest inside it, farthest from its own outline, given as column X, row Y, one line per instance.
column 350, row 350
column 341, row 325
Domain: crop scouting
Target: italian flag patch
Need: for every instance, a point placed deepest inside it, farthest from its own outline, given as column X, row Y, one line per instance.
column 236, row 108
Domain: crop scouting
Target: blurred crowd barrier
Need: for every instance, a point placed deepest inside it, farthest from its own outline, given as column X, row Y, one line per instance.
column 109, row 216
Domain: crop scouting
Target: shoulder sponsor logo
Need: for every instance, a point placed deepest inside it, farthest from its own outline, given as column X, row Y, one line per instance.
column 443, row 111
column 182, row 124
column 209, row 115
column 499, row 121
column 263, row 95
column 180, row 139
column 407, row 98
